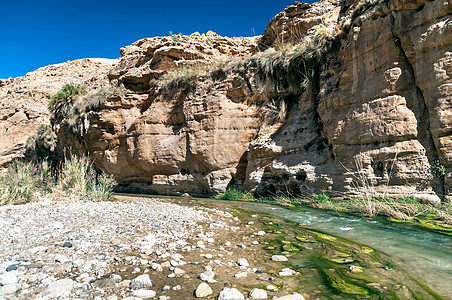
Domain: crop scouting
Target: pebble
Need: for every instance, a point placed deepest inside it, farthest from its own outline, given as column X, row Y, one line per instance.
column 272, row 287
column 60, row 258
column 260, row 232
column 11, row 277
column 241, row 274
column 59, row 288
column 203, row 290
column 279, row 258
column 243, row 262
column 287, row 272
column 230, row 294
column 144, row 294
column 176, row 288
column 257, row 294
column 67, row 245
column 355, row 269
column 156, row 267
column 263, row 278
column 141, row 282
column 208, row 256
column 10, row 289
column 11, row 268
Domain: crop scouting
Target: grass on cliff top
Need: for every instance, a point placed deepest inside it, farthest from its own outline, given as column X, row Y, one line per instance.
column 289, row 65
column 25, row 181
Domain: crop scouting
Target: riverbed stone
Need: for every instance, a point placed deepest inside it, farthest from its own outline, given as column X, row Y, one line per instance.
column 243, row 262
column 144, row 294
column 9, row 289
column 287, row 272
column 280, row 258
column 230, row 294
column 58, row 288
column 11, row 277
column 203, row 290
column 257, row 294
column 141, row 282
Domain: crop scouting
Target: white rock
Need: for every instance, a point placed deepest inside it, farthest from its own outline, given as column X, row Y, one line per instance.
column 11, row 277
column 9, row 289
column 243, row 262
column 255, row 243
column 208, row 278
column 230, row 294
column 291, row 297
column 287, row 272
column 260, row 232
column 144, row 294
column 279, row 258
column 208, row 256
column 176, row 288
column 157, row 267
column 241, row 274
column 112, row 297
column 258, row 294
column 272, row 287
column 59, row 288
column 141, row 282
column 203, row 290
column 116, row 278
column 227, row 243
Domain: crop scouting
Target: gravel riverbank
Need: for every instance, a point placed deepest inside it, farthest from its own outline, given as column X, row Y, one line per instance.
column 136, row 248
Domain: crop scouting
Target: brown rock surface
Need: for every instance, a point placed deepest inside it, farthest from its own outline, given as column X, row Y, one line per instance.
column 23, row 100
column 378, row 104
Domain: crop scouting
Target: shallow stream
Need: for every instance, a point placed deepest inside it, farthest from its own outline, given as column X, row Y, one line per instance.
column 426, row 255
column 420, row 257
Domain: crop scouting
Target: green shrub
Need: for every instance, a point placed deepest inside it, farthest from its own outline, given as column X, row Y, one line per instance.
column 22, row 180
column 438, row 169
column 90, row 102
column 100, row 186
column 78, row 177
column 67, row 93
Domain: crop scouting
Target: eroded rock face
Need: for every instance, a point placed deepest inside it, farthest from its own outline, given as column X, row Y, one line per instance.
column 23, row 100
column 377, row 106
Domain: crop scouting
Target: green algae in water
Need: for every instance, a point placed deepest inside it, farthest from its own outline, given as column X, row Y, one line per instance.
column 325, row 236
column 289, row 247
column 340, row 285
column 305, row 239
column 435, row 225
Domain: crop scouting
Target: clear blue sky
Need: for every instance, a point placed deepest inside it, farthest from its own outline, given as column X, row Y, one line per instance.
column 36, row 33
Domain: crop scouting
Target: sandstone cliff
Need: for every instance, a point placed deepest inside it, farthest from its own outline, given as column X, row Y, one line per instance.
column 331, row 96
column 23, row 100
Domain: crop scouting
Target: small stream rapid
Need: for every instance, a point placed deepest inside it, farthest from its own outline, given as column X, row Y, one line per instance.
column 426, row 255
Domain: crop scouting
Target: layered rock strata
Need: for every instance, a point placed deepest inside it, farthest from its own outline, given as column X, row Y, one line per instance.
column 374, row 112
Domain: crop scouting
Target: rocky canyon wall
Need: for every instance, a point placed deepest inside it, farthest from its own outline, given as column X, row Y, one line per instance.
column 23, row 100
column 373, row 109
